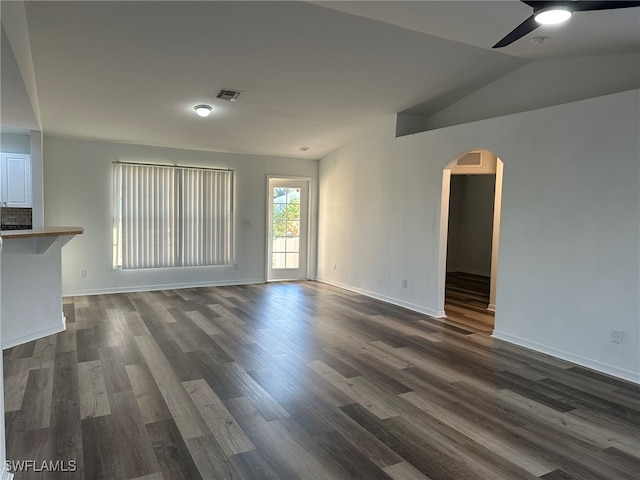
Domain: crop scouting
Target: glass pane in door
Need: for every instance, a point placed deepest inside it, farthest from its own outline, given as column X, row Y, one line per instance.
column 285, row 228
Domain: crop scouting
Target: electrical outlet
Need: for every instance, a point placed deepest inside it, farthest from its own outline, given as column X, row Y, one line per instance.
column 335, row 267
column 616, row 336
column 404, row 283
column 83, row 272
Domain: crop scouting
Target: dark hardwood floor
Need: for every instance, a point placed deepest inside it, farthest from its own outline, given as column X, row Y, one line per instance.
column 466, row 301
column 304, row 380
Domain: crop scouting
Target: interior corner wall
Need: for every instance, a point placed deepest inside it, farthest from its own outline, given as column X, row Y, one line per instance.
column 456, row 212
column 543, row 83
column 16, row 110
column 570, row 226
column 406, row 124
column 365, row 222
column 37, row 188
column 78, row 192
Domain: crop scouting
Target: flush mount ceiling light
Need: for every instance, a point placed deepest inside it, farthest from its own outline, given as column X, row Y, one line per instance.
column 553, row 15
column 203, row 110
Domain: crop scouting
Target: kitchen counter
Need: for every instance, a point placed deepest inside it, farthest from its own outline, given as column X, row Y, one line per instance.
column 31, row 287
column 41, row 232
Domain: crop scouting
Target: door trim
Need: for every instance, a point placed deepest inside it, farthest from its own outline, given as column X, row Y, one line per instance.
column 444, row 233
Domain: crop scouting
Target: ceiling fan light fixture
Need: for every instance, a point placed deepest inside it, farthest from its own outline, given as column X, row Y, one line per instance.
column 203, row 110
column 553, row 15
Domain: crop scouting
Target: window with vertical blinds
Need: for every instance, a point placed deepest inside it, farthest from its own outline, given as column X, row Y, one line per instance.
column 172, row 216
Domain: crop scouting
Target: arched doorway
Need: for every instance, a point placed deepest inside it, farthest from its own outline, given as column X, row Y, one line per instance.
column 469, row 239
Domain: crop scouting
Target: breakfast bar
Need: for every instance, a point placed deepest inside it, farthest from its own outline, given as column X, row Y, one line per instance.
column 31, row 287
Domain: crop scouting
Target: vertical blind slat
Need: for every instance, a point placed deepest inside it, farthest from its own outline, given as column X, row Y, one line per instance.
column 170, row 216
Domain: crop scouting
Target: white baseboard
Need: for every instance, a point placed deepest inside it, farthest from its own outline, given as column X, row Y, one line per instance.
column 491, row 307
column 385, row 298
column 12, row 342
column 276, row 280
column 603, row 367
column 168, row 286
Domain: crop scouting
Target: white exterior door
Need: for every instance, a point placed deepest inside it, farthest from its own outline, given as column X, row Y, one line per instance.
column 288, row 229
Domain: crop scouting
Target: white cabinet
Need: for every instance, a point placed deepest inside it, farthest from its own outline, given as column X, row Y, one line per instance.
column 15, row 180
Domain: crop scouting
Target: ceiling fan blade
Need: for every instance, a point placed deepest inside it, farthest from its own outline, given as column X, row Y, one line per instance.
column 529, row 25
column 536, row 5
column 581, row 6
column 608, row 5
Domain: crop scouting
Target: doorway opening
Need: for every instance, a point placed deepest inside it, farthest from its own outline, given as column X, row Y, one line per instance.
column 287, row 229
column 470, row 234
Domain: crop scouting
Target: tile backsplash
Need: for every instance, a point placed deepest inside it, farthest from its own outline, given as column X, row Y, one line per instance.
column 15, row 216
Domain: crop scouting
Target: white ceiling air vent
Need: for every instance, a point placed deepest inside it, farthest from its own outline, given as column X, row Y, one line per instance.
column 226, row 94
column 471, row 159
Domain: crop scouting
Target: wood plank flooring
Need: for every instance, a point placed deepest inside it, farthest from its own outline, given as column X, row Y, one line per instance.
column 466, row 300
column 304, row 381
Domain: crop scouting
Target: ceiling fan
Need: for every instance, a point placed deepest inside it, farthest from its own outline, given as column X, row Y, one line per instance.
column 550, row 12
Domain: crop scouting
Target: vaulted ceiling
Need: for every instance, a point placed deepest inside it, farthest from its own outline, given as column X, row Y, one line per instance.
column 313, row 74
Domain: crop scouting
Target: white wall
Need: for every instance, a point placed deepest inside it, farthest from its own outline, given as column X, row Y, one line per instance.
column 373, row 210
column 78, row 192
column 569, row 257
column 16, row 110
column 3, row 453
column 20, row 107
column 471, row 224
column 37, row 190
column 31, row 290
column 456, row 219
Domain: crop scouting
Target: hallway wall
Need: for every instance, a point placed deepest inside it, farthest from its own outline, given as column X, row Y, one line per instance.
column 471, row 224
column 570, row 229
